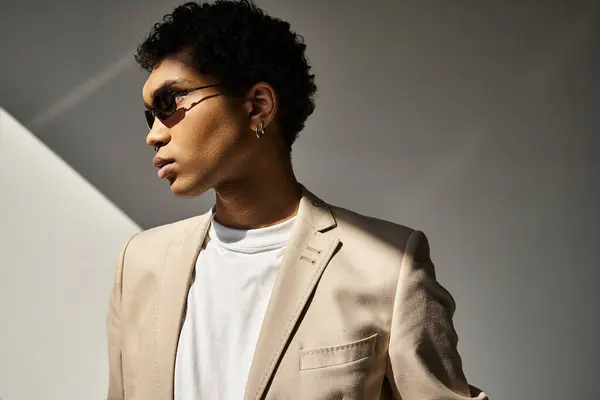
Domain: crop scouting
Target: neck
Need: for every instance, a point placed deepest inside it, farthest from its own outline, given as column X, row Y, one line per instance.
column 259, row 201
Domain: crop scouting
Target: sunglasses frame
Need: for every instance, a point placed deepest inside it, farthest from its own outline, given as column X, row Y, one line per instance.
column 155, row 112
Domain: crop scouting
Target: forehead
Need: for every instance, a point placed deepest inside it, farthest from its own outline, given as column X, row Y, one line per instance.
column 170, row 69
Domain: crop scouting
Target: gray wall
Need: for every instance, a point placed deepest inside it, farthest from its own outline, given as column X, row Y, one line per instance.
column 59, row 246
column 474, row 121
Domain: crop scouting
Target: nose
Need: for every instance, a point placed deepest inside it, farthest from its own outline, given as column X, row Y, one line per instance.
column 158, row 135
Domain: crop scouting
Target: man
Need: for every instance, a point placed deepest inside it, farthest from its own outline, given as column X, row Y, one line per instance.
column 273, row 293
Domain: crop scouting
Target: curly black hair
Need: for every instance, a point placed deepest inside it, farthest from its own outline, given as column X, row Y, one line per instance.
column 240, row 45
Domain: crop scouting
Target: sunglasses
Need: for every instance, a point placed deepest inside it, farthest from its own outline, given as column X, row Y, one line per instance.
column 164, row 104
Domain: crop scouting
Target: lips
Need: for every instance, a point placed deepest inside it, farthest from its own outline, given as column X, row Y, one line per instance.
column 164, row 166
column 160, row 162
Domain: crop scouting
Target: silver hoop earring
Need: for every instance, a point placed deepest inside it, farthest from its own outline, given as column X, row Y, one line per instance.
column 260, row 131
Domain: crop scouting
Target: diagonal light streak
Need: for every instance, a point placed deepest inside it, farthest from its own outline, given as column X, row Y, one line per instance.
column 82, row 91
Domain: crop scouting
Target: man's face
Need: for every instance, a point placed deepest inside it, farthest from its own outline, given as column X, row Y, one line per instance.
column 207, row 139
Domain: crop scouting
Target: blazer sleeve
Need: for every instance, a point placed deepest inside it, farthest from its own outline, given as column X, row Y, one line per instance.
column 113, row 331
column 423, row 361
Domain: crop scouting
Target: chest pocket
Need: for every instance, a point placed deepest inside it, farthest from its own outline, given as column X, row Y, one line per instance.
column 337, row 355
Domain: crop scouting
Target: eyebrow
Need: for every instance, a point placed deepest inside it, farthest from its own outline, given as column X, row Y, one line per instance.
column 168, row 84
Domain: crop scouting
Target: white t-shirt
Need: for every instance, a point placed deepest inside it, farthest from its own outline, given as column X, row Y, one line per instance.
column 234, row 277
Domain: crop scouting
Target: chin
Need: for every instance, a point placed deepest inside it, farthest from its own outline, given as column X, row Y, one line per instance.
column 186, row 190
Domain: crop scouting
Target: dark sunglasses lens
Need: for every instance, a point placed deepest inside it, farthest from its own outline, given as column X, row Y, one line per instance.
column 149, row 118
column 164, row 104
column 163, row 107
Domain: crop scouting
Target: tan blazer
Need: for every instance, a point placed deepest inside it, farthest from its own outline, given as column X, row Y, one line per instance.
column 356, row 313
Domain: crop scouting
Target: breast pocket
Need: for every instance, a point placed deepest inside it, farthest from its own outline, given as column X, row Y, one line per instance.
column 337, row 355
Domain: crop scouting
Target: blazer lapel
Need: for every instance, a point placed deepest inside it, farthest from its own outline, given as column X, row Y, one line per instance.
column 305, row 259
column 175, row 276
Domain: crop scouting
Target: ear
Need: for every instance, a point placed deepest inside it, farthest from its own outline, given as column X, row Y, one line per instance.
column 263, row 103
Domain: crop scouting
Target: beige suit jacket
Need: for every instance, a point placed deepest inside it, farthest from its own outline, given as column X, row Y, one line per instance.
column 356, row 313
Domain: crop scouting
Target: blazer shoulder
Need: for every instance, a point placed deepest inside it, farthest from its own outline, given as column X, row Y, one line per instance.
column 161, row 236
column 351, row 223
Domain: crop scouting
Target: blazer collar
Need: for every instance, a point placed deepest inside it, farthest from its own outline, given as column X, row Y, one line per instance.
column 315, row 211
column 175, row 276
column 306, row 256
